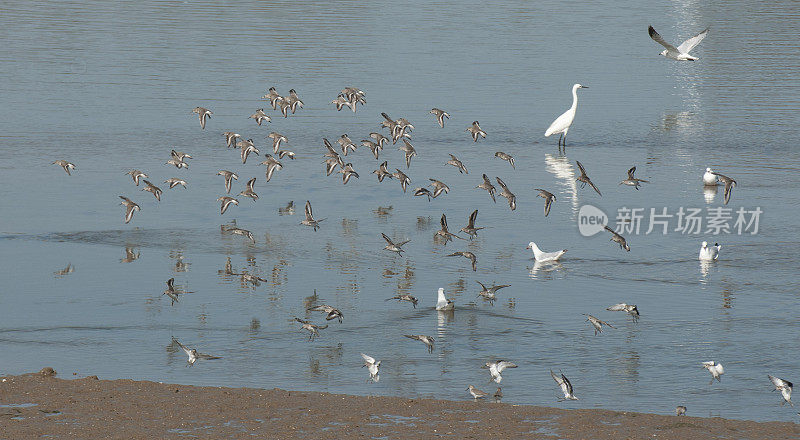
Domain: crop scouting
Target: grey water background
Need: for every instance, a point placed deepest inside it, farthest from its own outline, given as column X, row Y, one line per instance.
column 110, row 86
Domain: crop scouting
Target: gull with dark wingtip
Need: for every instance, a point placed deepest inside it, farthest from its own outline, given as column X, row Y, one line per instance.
column 425, row 339
column 632, row 181
column 584, row 178
column 505, row 192
column 66, row 165
column 130, row 207
column 487, row 185
column 548, row 197
column 680, row 53
column 440, row 115
column 229, row 176
column 468, row 255
column 475, row 130
column 309, row 220
column 506, row 157
column 226, row 202
column 203, row 114
column 457, row 163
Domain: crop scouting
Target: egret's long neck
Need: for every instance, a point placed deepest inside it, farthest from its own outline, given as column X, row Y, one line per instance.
column 574, row 99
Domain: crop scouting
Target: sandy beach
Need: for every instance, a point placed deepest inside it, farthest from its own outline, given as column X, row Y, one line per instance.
column 40, row 404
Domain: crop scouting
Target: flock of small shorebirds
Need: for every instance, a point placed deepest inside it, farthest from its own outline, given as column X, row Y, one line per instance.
column 400, row 130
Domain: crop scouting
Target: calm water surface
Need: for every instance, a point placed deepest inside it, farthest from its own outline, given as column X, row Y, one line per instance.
column 110, row 86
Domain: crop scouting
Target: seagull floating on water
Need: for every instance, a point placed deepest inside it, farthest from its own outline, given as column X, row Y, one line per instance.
column 542, row 256
column 442, row 303
column 680, row 53
column 709, row 178
column 709, row 253
column 562, row 124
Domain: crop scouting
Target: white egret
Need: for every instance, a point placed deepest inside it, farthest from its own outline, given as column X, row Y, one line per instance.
column 562, row 123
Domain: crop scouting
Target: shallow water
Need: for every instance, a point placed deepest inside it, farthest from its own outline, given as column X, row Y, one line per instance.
column 110, row 86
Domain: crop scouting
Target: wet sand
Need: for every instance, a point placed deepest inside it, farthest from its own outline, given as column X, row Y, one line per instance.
column 40, row 404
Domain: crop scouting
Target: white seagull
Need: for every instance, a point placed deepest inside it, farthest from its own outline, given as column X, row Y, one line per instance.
column 542, row 256
column 443, row 303
column 373, row 366
column 709, row 178
column 680, row 53
column 562, row 123
column 709, row 253
column 715, row 369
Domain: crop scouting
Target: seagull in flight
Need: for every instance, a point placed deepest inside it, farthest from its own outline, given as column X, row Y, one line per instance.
column 680, row 53
column 565, row 385
column 442, row 302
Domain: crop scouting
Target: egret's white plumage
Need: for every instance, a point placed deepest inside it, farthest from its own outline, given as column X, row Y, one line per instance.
column 562, row 123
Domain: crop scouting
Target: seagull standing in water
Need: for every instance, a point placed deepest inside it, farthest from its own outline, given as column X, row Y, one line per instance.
column 562, row 124
column 373, row 366
column 785, row 387
column 442, row 303
column 565, row 385
column 709, row 253
column 715, row 369
column 542, row 256
column 680, row 53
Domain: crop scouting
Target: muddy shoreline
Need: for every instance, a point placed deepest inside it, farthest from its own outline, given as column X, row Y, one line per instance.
column 40, row 404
